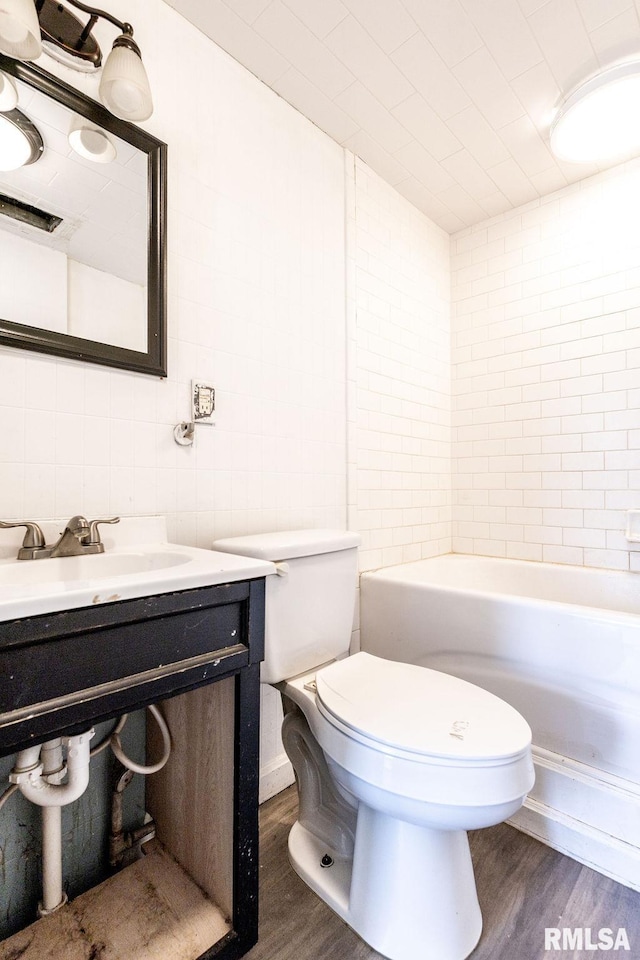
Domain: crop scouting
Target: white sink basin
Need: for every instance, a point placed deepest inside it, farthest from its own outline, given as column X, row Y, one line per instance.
column 96, row 567
column 130, row 567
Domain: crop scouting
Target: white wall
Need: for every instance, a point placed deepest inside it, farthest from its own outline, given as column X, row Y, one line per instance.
column 257, row 307
column 547, row 376
column 400, row 374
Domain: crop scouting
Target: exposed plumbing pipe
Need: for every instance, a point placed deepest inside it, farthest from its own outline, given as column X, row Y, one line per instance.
column 28, row 773
column 38, row 773
column 106, row 742
column 116, row 746
column 53, row 896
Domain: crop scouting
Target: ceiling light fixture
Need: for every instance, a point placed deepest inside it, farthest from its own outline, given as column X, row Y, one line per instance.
column 92, row 142
column 20, row 141
column 600, row 121
column 25, row 26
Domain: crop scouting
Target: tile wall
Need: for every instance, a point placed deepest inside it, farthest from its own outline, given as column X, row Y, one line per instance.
column 257, row 272
column 256, row 307
column 546, row 361
column 398, row 315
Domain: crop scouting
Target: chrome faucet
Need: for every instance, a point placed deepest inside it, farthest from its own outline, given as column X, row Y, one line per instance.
column 79, row 537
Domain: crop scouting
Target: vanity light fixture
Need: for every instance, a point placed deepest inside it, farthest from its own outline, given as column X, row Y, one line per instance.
column 20, row 141
column 124, row 86
column 19, row 29
column 600, row 120
column 8, row 93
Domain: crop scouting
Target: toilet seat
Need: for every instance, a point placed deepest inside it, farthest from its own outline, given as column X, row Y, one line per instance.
column 419, row 714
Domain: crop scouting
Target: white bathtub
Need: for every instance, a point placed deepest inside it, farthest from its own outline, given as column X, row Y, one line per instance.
column 560, row 643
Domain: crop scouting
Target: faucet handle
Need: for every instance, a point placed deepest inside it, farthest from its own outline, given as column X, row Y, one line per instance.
column 94, row 533
column 33, row 538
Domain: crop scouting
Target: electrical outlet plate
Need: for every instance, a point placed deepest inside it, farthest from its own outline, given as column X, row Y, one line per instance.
column 203, row 402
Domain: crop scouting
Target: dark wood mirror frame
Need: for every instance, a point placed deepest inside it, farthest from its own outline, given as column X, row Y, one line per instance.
column 63, row 345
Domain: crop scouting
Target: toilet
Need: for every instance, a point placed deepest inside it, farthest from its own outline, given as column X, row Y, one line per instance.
column 394, row 762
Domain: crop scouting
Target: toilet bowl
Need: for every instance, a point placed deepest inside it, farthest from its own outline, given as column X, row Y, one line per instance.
column 394, row 762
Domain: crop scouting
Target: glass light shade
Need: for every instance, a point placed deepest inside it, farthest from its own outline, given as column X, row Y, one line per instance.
column 124, row 87
column 92, row 142
column 19, row 29
column 8, row 93
column 17, row 146
column 600, row 121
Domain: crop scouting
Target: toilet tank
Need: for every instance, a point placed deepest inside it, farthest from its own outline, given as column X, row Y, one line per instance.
column 310, row 602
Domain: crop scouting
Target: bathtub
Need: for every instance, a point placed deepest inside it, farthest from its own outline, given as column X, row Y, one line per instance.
column 562, row 645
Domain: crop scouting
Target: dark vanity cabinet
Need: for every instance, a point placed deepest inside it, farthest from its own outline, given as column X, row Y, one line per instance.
column 197, row 652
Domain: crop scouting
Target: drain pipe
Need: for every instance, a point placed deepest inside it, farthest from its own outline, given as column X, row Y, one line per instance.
column 38, row 773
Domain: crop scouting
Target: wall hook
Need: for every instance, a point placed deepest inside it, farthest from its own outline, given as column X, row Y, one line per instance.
column 184, row 433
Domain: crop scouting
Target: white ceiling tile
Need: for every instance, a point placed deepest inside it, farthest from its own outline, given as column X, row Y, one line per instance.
column 462, row 205
column 562, row 35
column 452, row 223
column 281, row 28
column 377, row 157
column 618, row 38
column 487, row 87
column 447, row 26
column 496, row 204
column 466, row 170
column 312, row 102
column 450, row 100
column 424, row 168
column 386, row 20
column 369, row 113
column 355, row 48
column 528, row 6
column 416, row 115
column 538, row 91
column 527, row 147
column 505, row 31
column 249, row 10
column 478, row 136
column 424, row 200
column 596, row 12
column 321, row 18
column 235, row 36
column 510, row 179
column 425, row 69
column 549, row 180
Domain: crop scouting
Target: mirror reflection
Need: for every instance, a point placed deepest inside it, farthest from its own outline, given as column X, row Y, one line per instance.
column 81, row 226
column 77, row 225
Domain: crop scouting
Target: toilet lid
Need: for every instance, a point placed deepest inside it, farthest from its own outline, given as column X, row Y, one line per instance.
column 419, row 710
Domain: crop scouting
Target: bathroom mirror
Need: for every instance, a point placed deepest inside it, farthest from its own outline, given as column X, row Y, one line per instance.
column 82, row 231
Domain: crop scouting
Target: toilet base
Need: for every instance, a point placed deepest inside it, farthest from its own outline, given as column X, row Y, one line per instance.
column 409, row 891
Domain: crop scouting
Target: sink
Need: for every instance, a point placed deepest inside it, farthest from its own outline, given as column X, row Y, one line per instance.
column 96, row 567
column 138, row 562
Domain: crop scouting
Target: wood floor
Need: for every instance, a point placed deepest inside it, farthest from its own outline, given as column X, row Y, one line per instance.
column 523, row 887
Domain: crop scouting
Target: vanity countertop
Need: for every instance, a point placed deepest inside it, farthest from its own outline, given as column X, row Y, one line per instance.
column 138, row 562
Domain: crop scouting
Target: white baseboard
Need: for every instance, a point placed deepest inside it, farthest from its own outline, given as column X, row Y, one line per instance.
column 275, row 776
column 585, row 813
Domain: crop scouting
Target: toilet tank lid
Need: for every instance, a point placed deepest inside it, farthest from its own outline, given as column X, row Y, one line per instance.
column 288, row 544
